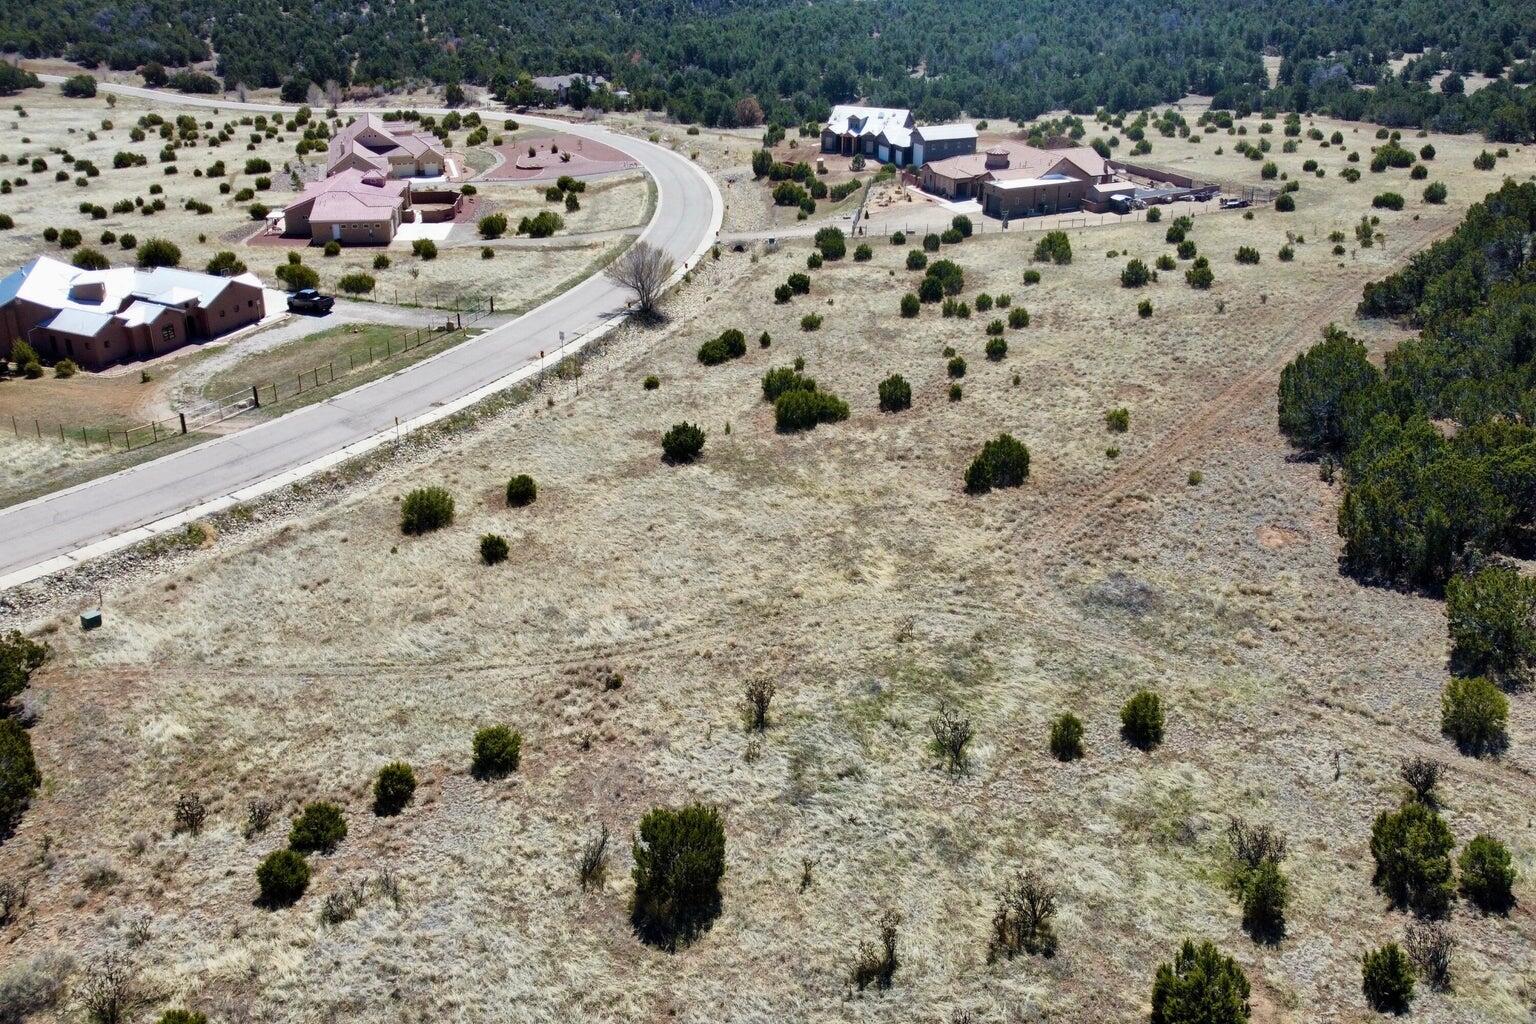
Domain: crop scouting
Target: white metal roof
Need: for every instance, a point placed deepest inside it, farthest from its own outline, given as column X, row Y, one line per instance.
column 940, row 132
column 856, row 120
column 78, row 321
column 1049, row 179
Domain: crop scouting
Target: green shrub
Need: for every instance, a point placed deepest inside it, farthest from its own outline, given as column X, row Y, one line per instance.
column 1117, row 421
column 521, row 490
column 1487, row 875
column 157, row 252
column 424, row 249
column 683, row 443
column 832, row 243
column 426, row 509
column 493, row 548
column 917, row 260
column 1435, row 193
column 183, row 1017
column 78, row 87
column 1141, row 720
column 393, row 788
column 997, row 349
column 1053, row 247
column 282, row 876
column 983, row 302
column 1066, row 741
column 910, row 305
column 799, row 283
column 493, row 225
column 863, row 254
column 1473, row 713
column 679, row 861
column 19, row 777
column 1200, row 276
column 1031, row 277
column 1316, row 387
column 65, row 368
column 930, row 242
column 1247, row 254
column 813, row 261
column 782, row 379
column 1200, row 986
column 1135, row 275
column 1386, row 978
column 956, row 367
column 651, row 382
column 1144, row 308
column 381, row 262
column 899, row 238
column 797, row 410
column 1387, row 201
column 764, row 340
column 19, row 656
column 319, row 828
column 357, row 283
column 332, row 248
column 1285, row 202
column 811, row 322
column 1483, row 161
column 497, row 752
column 1412, row 849
column 895, row 393
column 1018, row 318
column 1264, row 893
column 1491, row 616
column 1002, row 462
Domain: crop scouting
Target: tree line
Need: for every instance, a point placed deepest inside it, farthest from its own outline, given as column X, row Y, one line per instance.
column 726, row 62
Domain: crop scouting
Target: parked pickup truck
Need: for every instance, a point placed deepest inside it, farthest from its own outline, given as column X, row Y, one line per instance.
column 307, row 300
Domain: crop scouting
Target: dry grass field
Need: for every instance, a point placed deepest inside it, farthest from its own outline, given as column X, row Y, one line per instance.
column 307, row 643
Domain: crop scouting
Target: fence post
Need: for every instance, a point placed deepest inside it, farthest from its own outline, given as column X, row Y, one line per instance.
column 183, row 421
column 154, row 428
column 256, row 395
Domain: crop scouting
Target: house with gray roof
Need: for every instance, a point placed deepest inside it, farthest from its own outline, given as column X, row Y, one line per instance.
column 890, row 136
column 101, row 317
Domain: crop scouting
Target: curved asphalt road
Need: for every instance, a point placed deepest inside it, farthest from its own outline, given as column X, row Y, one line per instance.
column 59, row 530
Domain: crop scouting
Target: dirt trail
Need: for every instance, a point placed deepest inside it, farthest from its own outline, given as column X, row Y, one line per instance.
column 1087, row 509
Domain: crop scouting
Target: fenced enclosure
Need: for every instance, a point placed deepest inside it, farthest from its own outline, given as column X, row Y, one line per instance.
column 258, row 395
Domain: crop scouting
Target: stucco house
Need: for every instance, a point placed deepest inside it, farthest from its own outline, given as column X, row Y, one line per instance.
column 352, row 207
column 1015, row 180
column 890, row 136
column 101, row 317
column 395, row 149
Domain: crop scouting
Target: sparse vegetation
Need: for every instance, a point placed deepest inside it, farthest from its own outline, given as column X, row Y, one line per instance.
column 426, row 509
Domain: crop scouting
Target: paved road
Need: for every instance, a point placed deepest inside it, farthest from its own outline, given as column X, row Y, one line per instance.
column 40, row 535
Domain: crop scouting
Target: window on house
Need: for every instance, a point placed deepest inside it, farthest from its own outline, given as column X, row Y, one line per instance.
column 168, row 332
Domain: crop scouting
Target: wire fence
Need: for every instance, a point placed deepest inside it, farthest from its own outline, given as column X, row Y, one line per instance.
column 886, row 227
column 262, row 394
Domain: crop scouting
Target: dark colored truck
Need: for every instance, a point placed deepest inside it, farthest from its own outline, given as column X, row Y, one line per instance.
column 307, row 300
